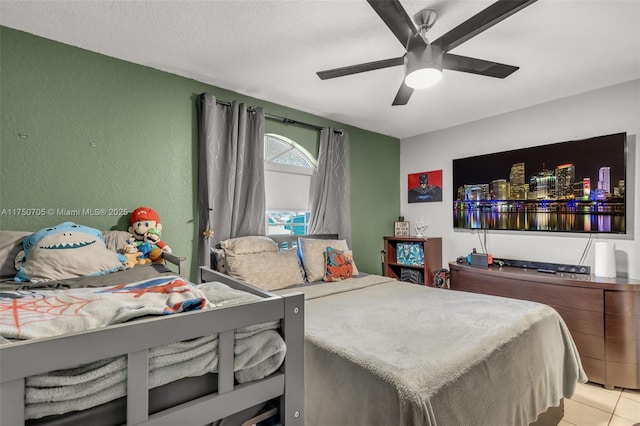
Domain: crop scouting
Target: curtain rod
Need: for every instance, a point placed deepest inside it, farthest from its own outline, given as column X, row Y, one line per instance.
column 285, row 120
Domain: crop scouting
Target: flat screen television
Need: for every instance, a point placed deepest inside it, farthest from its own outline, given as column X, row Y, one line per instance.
column 574, row 186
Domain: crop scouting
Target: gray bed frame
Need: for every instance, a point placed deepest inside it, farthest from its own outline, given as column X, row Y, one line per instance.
column 22, row 359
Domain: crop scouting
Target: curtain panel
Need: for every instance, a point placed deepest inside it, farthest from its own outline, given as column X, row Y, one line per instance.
column 231, row 188
column 330, row 193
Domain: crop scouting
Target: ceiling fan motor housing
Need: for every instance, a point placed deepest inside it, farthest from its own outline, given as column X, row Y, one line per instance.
column 429, row 57
column 422, row 58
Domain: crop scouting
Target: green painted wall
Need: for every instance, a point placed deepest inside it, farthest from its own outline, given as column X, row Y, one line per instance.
column 80, row 130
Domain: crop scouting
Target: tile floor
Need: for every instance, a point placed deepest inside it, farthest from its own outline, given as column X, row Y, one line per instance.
column 593, row 405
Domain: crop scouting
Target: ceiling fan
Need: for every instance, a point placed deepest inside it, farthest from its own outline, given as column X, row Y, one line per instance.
column 425, row 61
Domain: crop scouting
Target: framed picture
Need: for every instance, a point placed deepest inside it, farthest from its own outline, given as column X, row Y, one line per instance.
column 425, row 187
column 402, row 229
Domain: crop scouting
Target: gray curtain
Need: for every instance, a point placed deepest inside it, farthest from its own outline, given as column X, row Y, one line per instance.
column 330, row 189
column 231, row 194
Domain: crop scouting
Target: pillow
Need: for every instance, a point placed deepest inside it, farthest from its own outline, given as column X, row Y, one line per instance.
column 10, row 246
column 66, row 251
column 219, row 261
column 248, row 245
column 339, row 265
column 313, row 256
column 267, row 270
column 116, row 240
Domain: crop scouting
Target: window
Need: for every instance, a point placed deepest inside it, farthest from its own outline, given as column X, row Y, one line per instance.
column 288, row 169
column 287, row 222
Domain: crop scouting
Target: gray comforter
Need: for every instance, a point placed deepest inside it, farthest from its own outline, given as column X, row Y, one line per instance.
column 381, row 352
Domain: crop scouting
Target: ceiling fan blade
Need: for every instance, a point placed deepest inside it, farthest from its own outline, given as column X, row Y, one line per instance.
column 354, row 69
column 476, row 66
column 403, row 95
column 480, row 22
column 396, row 18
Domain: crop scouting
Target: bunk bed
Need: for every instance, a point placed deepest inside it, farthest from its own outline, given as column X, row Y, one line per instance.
column 379, row 351
column 211, row 352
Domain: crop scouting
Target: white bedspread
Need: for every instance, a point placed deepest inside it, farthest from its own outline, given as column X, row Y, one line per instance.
column 382, row 352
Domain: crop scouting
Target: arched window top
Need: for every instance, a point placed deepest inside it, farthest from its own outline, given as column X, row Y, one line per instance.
column 282, row 150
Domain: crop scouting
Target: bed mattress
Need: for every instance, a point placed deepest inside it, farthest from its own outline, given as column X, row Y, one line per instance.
column 378, row 351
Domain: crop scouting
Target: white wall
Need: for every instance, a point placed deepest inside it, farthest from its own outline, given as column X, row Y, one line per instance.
column 600, row 112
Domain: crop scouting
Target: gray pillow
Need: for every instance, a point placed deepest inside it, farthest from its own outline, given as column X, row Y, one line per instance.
column 10, row 246
column 116, row 240
column 248, row 245
column 267, row 270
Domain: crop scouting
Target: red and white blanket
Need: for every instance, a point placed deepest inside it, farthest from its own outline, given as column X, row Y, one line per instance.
column 31, row 314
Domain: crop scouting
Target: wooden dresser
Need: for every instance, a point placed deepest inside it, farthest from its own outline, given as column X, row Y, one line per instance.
column 603, row 314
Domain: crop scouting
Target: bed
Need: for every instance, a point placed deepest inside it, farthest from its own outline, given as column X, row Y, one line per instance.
column 383, row 352
column 144, row 346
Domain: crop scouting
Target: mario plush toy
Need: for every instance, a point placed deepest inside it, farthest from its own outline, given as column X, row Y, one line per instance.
column 142, row 220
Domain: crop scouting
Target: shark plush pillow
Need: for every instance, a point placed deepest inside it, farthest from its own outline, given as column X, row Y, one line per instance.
column 66, row 251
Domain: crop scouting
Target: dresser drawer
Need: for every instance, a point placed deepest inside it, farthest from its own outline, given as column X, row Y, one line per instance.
column 594, row 369
column 622, row 350
column 582, row 321
column 588, row 299
column 589, row 345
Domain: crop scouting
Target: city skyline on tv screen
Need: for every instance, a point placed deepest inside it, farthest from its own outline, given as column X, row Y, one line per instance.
column 574, row 186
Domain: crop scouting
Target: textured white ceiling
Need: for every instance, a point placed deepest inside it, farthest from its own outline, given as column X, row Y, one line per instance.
column 271, row 50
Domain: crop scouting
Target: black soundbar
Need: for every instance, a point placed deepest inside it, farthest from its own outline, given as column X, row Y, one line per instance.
column 544, row 266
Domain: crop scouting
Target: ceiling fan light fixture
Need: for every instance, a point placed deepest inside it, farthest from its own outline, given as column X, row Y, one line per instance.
column 423, row 67
column 423, row 78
